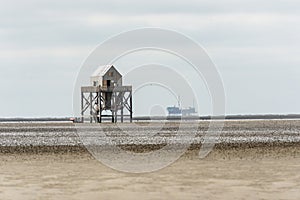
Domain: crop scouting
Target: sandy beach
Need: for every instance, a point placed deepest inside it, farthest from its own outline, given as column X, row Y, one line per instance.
column 264, row 166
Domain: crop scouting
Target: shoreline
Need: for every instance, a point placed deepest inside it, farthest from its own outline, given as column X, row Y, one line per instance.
column 161, row 118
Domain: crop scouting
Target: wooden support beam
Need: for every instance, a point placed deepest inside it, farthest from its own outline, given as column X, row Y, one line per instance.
column 96, row 96
column 130, row 106
column 112, row 116
column 91, row 108
column 115, row 107
column 122, row 107
column 100, row 107
column 82, row 112
column 95, row 89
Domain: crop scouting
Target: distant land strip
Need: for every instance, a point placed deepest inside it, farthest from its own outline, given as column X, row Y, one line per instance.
column 160, row 118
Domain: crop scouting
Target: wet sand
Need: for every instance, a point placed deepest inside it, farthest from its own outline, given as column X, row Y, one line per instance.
column 233, row 170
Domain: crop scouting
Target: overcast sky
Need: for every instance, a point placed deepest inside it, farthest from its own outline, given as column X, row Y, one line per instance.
column 255, row 45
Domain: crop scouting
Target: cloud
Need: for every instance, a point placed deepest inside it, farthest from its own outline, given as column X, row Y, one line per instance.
column 47, row 40
column 154, row 6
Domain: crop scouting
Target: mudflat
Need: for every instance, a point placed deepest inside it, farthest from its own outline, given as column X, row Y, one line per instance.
column 251, row 160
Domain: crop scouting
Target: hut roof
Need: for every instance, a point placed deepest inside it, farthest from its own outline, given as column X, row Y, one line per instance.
column 102, row 70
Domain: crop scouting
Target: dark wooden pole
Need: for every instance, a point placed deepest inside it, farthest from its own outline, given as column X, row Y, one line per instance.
column 130, row 106
column 91, row 107
column 100, row 107
column 116, row 107
column 122, row 106
column 82, row 113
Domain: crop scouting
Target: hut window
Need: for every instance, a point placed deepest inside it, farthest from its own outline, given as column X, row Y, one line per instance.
column 111, row 74
column 95, row 83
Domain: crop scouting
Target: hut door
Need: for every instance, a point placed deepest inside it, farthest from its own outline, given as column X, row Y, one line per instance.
column 108, row 83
